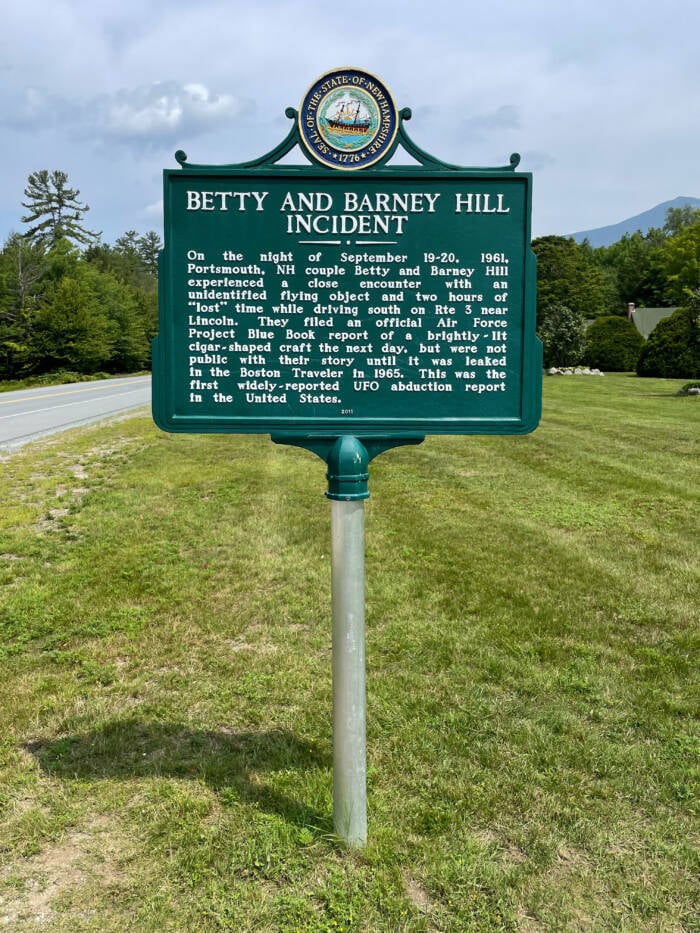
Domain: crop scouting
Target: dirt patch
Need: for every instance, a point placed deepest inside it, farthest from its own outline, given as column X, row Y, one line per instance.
column 30, row 890
column 515, row 855
column 257, row 647
column 527, row 923
column 570, row 859
column 417, row 894
column 509, row 852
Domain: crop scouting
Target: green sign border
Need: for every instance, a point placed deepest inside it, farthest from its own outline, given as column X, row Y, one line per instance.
column 312, row 432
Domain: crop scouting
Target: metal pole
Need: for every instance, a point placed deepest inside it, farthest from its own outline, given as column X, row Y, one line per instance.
column 348, row 460
column 347, row 476
column 349, row 703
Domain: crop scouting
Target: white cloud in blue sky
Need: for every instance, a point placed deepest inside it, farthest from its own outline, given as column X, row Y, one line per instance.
column 599, row 98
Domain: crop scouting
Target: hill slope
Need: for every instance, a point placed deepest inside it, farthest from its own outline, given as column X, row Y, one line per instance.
column 655, row 217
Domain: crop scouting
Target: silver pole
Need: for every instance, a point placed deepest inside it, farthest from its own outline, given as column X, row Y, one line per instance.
column 349, row 703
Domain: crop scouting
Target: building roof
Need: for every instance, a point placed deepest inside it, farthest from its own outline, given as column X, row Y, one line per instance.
column 646, row 319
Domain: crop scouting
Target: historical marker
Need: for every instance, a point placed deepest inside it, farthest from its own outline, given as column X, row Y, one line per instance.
column 347, row 306
column 347, row 297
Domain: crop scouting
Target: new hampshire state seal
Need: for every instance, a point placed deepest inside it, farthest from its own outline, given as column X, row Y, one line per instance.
column 348, row 119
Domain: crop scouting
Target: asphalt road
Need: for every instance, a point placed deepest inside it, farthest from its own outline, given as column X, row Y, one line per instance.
column 31, row 413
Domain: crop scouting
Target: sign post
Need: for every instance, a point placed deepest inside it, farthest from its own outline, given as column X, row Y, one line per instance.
column 348, row 647
column 347, row 466
column 347, row 306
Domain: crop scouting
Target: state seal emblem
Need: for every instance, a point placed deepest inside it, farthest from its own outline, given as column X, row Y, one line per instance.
column 348, row 119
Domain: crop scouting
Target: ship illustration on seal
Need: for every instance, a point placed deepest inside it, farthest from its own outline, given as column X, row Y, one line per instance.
column 349, row 119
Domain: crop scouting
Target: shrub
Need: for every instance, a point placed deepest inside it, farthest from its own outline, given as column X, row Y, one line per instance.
column 562, row 332
column 673, row 348
column 613, row 344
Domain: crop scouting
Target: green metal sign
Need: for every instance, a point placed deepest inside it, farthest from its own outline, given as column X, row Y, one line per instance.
column 347, row 306
column 348, row 296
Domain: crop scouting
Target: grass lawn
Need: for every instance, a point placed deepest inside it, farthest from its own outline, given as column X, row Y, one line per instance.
column 532, row 647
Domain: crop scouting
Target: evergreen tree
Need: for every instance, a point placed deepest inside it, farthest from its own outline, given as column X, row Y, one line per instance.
column 127, row 251
column 133, row 259
column 71, row 329
column 54, row 210
column 149, row 246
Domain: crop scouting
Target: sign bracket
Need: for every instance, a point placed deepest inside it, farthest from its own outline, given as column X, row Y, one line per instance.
column 293, row 139
column 346, row 457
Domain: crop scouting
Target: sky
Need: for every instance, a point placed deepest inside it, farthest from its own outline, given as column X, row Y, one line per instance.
column 601, row 99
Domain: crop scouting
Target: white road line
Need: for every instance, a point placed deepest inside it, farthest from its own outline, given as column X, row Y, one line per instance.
column 36, row 411
column 21, row 439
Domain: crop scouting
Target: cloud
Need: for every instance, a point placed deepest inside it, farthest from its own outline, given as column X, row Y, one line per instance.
column 29, row 109
column 160, row 113
column 534, row 160
column 154, row 211
column 153, row 116
column 506, row 117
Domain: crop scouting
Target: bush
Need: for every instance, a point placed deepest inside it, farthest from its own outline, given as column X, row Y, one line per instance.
column 562, row 332
column 673, row 348
column 690, row 388
column 613, row 343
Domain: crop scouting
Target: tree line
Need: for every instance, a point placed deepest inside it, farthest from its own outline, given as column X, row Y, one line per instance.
column 577, row 285
column 70, row 302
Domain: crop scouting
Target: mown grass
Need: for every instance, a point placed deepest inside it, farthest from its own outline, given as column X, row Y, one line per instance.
column 532, row 634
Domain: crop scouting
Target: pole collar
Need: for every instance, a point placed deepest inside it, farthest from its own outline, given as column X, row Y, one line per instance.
column 348, row 473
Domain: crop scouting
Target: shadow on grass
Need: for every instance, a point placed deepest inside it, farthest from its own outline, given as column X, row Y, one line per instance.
column 226, row 761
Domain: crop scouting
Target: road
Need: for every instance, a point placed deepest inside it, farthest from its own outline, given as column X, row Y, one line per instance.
column 30, row 413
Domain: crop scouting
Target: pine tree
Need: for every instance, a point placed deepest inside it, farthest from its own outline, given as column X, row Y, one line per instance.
column 149, row 246
column 54, row 210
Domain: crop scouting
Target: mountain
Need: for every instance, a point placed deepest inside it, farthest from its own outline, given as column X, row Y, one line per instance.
column 604, row 236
